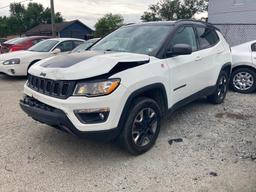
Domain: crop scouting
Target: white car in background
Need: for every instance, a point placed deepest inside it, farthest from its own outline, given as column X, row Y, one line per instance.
column 83, row 47
column 18, row 63
column 243, row 79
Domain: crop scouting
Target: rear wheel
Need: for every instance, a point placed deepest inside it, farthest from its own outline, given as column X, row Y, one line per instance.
column 243, row 80
column 142, row 126
column 220, row 93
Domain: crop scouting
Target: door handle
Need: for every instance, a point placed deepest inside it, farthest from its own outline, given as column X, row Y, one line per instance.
column 198, row 58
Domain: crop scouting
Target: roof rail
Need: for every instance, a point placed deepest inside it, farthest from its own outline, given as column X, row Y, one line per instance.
column 199, row 21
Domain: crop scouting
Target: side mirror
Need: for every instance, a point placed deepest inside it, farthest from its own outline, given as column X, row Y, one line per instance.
column 56, row 51
column 179, row 49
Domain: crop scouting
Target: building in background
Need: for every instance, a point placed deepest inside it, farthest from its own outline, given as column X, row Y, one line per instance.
column 235, row 18
column 70, row 29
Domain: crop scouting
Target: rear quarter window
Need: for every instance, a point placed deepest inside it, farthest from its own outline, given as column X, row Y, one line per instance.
column 207, row 37
column 254, row 47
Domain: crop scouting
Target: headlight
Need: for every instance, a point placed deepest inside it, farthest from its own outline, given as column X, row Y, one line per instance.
column 94, row 89
column 11, row 62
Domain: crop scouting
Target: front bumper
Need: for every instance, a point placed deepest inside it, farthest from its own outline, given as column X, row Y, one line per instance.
column 115, row 102
column 58, row 119
column 14, row 70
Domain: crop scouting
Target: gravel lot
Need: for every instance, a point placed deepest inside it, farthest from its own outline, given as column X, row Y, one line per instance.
column 217, row 152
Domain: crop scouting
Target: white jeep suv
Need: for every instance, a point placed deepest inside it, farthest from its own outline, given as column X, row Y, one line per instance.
column 124, row 84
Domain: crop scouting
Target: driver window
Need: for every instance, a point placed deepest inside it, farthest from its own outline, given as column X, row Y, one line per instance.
column 65, row 46
column 185, row 35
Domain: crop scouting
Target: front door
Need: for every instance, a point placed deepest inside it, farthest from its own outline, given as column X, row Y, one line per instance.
column 184, row 69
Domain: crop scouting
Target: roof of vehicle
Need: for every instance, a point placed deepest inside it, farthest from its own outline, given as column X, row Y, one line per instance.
column 36, row 37
column 66, row 39
column 176, row 22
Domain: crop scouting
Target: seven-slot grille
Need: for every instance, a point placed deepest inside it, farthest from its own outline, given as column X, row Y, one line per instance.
column 59, row 88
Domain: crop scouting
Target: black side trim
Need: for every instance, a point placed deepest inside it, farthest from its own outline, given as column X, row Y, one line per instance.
column 138, row 92
column 182, row 86
column 229, row 65
column 205, row 92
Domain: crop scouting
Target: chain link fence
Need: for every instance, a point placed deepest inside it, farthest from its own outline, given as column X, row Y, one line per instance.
column 237, row 34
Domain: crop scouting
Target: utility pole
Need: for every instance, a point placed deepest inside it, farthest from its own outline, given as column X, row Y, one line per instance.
column 53, row 18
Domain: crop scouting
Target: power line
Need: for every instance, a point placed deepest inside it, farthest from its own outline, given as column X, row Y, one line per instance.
column 15, row 2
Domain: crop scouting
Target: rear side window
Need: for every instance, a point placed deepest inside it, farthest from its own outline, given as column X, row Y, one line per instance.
column 207, row 37
column 254, row 47
column 185, row 35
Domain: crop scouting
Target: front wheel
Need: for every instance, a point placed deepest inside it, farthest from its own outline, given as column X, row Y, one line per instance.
column 142, row 126
column 220, row 93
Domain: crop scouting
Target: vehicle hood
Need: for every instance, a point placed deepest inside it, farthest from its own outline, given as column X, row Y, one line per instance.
column 87, row 64
column 18, row 55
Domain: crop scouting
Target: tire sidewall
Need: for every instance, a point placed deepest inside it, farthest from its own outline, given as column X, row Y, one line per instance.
column 127, row 132
column 218, row 99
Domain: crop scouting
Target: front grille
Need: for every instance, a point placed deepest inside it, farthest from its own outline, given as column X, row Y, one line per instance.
column 59, row 89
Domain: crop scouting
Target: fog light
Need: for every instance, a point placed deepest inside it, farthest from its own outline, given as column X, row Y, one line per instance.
column 102, row 116
column 92, row 116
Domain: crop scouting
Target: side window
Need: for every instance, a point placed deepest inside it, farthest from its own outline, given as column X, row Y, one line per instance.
column 185, row 35
column 65, row 46
column 207, row 37
column 77, row 43
column 254, row 47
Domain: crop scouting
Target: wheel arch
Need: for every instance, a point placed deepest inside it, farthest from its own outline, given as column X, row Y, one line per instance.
column 237, row 67
column 227, row 67
column 155, row 91
column 33, row 62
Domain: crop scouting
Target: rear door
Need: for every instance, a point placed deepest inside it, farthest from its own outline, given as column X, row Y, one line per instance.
column 254, row 53
column 211, row 56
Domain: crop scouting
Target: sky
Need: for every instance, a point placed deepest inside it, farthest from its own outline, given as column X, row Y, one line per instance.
column 89, row 11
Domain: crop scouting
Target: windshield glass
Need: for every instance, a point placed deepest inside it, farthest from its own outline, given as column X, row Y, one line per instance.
column 44, row 46
column 144, row 39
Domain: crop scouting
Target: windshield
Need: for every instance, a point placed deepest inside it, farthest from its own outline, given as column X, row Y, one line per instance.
column 144, row 39
column 44, row 46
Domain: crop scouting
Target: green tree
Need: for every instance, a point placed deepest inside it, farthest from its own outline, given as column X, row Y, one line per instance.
column 174, row 9
column 24, row 18
column 4, row 29
column 108, row 24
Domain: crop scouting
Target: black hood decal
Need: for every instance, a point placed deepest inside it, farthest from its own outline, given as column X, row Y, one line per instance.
column 73, row 59
column 69, row 59
column 121, row 66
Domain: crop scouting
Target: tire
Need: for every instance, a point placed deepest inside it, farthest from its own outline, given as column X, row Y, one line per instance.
column 243, row 80
column 142, row 126
column 220, row 93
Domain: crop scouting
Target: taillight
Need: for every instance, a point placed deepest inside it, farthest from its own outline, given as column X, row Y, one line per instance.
column 13, row 48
